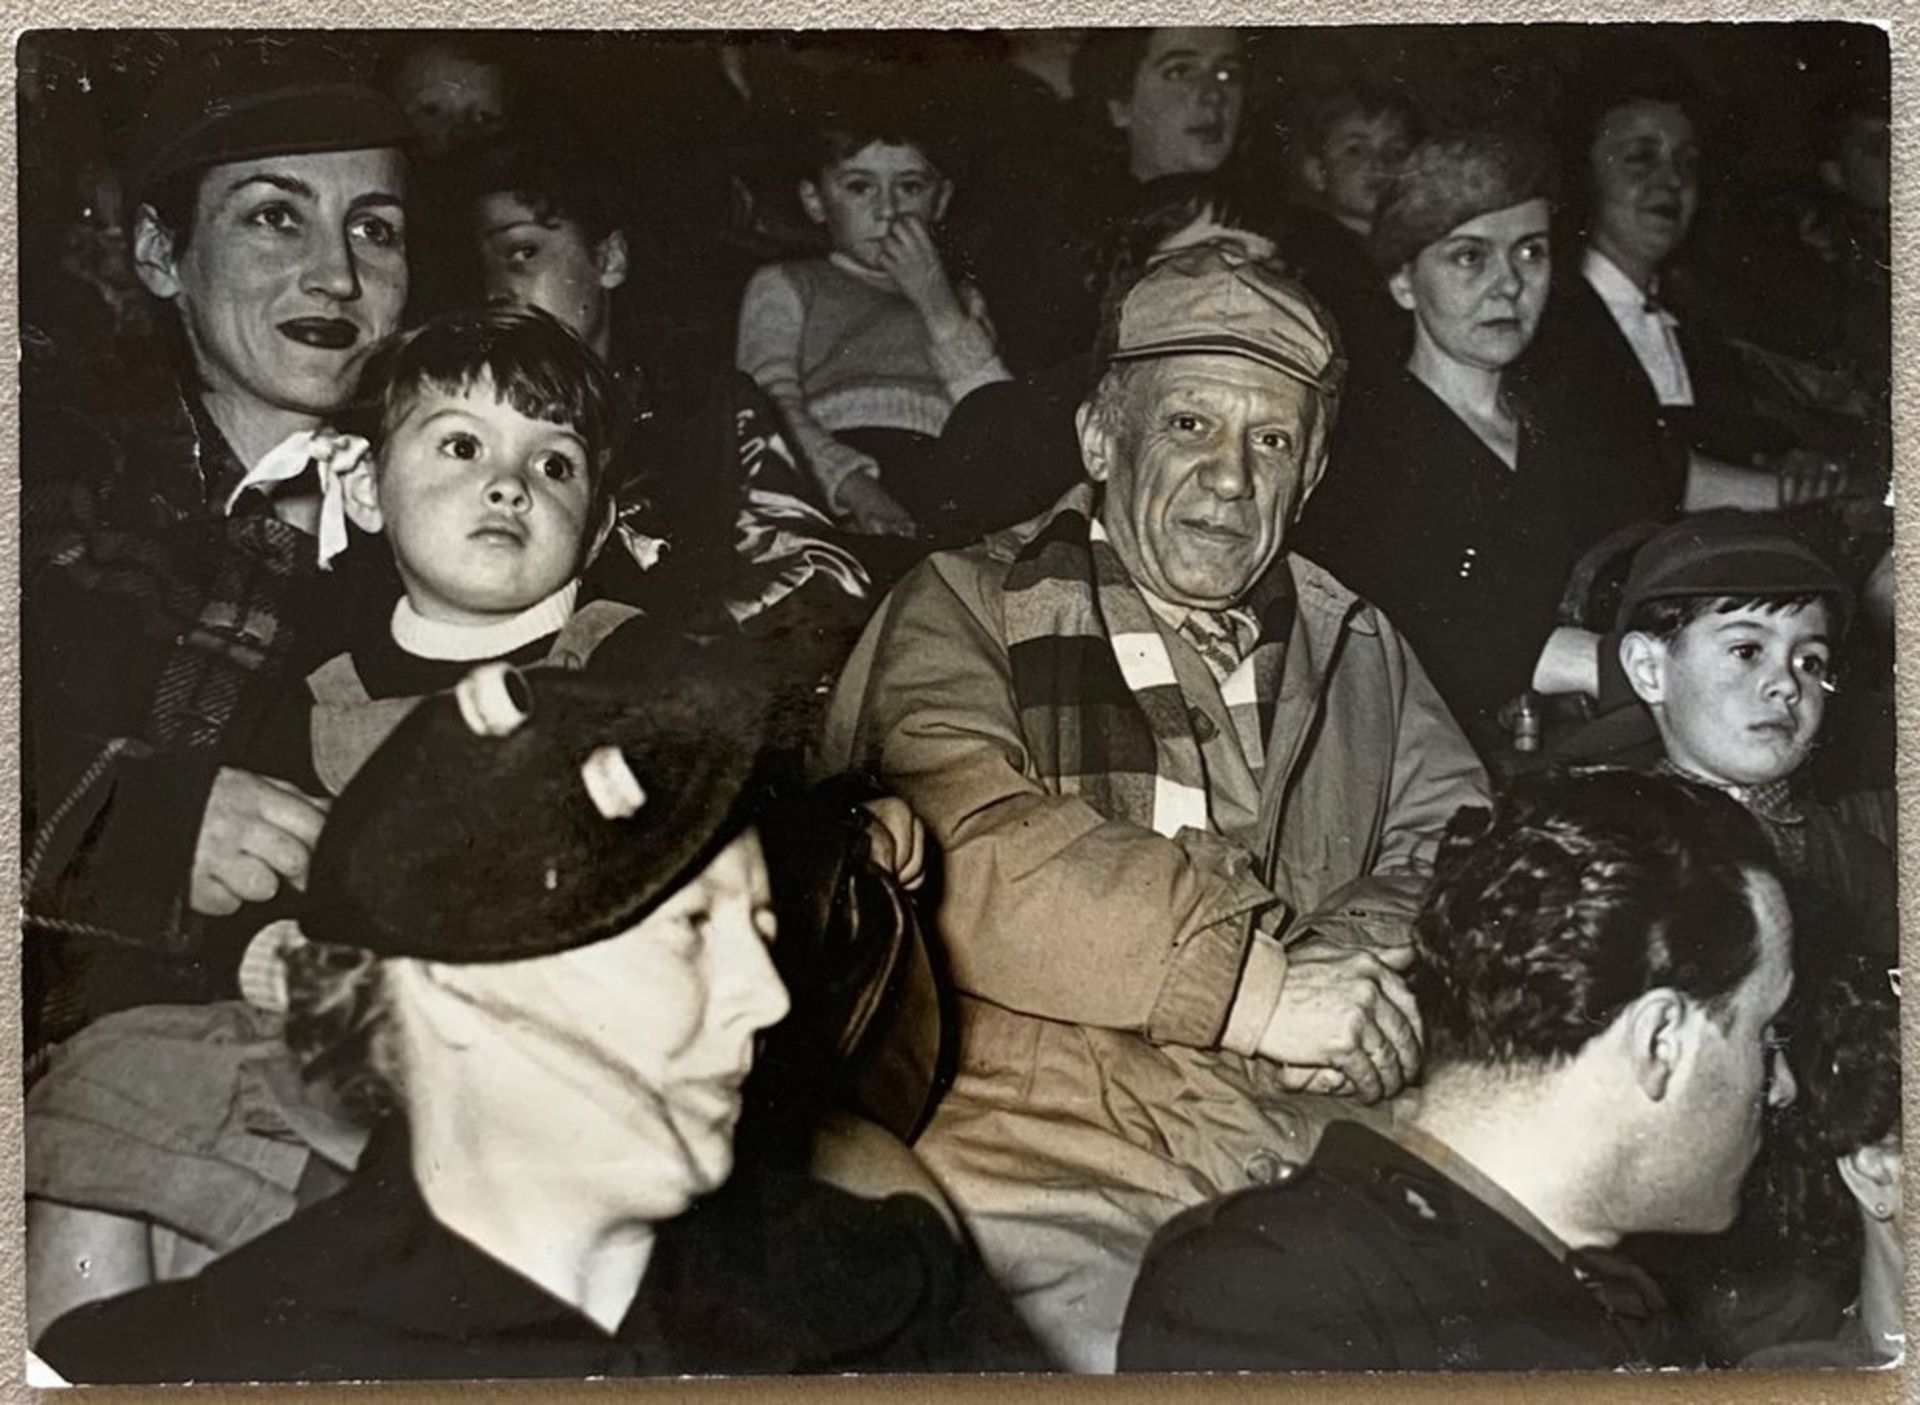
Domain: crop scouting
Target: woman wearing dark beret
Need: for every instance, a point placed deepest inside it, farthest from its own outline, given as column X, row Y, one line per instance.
column 1449, row 502
column 540, row 961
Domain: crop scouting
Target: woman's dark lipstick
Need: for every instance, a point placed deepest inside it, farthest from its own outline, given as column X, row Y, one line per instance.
column 326, row 333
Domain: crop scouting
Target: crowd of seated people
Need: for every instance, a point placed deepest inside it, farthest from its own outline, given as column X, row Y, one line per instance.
column 1111, row 700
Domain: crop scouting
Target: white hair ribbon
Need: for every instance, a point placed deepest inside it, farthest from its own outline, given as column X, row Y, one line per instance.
column 335, row 455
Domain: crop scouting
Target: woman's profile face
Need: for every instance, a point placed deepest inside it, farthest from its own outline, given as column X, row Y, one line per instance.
column 1476, row 294
column 653, row 1030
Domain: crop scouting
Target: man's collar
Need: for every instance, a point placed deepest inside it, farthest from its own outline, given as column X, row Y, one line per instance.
column 1613, row 286
column 1773, row 801
column 1480, row 1186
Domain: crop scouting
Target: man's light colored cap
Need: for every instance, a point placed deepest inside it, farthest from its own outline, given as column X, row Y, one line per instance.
column 1211, row 300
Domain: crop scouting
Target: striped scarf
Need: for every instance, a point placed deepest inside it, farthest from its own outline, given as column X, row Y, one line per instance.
column 1100, row 704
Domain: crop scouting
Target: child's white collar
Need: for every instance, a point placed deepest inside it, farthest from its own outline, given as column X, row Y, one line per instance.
column 461, row 643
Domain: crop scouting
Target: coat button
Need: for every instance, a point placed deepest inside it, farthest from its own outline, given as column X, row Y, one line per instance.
column 1203, row 729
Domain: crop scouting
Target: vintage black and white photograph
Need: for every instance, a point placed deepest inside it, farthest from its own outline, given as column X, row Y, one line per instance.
column 774, row 702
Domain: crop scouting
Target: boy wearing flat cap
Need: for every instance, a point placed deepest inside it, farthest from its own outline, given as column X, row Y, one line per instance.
column 1187, row 787
column 1729, row 627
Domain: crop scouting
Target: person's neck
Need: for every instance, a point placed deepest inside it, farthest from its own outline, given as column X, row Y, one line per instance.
column 564, row 1229
column 249, row 427
column 1882, row 1285
column 1500, row 1122
column 1641, row 271
column 1048, row 56
column 1473, row 392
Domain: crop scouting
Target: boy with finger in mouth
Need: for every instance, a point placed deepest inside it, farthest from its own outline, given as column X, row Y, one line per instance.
column 868, row 349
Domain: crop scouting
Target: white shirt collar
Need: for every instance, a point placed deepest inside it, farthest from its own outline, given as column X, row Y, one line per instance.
column 463, row 643
column 1613, row 286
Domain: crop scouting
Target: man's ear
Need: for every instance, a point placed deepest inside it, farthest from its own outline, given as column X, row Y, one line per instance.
column 1872, row 1173
column 1400, row 286
column 811, row 202
column 1656, row 1028
column 1314, row 455
column 940, row 201
column 362, row 497
column 1119, row 113
column 1644, row 660
column 611, row 257
column 1096, row 442
column 153, row 257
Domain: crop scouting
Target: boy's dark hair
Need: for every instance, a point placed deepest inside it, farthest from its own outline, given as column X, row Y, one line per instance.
column 1106, row 64
column 1363, row 98
column 867, row 107
column 1574, row 897
column 536, row 365
column 1666, row 617
column 557, row 179
column 1162, row 207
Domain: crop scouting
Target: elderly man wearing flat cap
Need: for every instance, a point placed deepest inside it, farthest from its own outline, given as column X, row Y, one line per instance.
column 1188, row 788
column 169, row 564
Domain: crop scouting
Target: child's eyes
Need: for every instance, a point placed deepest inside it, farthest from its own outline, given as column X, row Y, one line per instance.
column 1745, row 651
column 559, row 468
column 460, row 446
column 1815, row 664
column 522, row 253
column 858, row 187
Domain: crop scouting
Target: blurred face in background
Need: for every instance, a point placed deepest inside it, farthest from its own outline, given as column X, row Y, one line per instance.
column 1644, row 169
column 548, row 261
column 450, row 99
column 1183, row 112
column 1350, row 172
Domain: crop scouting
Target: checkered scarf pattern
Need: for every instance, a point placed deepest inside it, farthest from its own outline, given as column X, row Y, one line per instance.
column 1100, row 705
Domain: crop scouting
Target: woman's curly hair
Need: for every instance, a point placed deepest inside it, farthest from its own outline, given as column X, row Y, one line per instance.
column 1845, row 1055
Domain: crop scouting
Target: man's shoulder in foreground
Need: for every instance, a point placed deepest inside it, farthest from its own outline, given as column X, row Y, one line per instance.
column 1367, row 1258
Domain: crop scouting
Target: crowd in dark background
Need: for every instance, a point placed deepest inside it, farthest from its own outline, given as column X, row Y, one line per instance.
column 692, row 155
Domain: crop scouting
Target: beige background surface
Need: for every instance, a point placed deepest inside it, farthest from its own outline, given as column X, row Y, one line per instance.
column 1901, row 17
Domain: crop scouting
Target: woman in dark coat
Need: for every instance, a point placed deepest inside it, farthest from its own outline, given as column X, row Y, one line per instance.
column 1448, row 502
column 541, row 961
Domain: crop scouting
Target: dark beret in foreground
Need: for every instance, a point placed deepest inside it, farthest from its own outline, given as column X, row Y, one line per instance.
column 530, row 813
